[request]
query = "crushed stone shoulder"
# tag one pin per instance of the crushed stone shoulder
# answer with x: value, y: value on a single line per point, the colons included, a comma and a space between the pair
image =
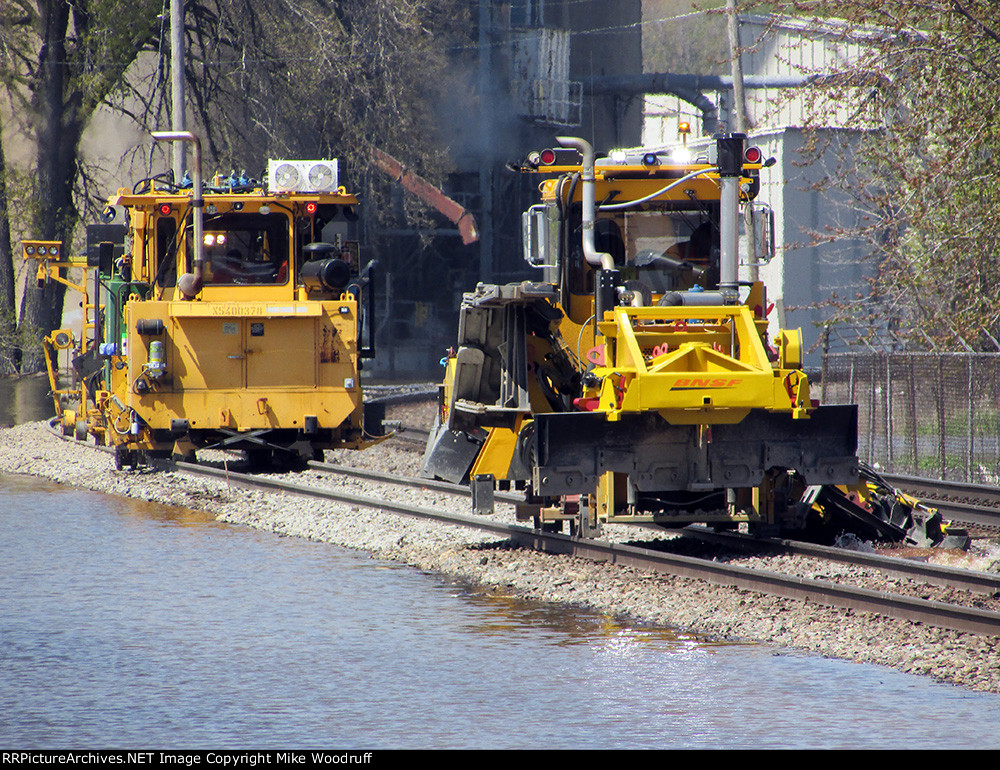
x: 494, y: 565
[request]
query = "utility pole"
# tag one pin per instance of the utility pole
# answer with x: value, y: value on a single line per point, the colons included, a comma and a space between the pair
x: 177, y: 121
x: 736, y: 68
x: 741, y: 114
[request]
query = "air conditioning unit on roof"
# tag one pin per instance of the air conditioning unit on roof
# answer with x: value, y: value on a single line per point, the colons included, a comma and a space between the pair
x: 302, y: 175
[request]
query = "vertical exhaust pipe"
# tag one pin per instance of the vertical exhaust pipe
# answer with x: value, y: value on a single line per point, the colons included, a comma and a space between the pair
x: 594, y: 257
x: 730, y: 163
x: 190, y: 283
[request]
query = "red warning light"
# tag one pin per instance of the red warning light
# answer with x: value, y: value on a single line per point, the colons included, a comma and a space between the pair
x: 547, y: 157
x: 311, y: 207
x: 753, y: 155
x: 165, y: 209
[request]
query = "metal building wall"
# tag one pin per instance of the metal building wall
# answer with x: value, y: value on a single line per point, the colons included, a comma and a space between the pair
x: 812, y: 266
x: 524, y: 70
x: 814, y: 261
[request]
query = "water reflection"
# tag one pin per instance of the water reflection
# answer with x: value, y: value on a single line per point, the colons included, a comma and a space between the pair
x: 131, y: 624
x: 25, y: 399
x: 503, y: 614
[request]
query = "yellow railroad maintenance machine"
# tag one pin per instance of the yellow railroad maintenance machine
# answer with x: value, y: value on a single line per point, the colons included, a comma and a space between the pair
x: 637, y: 381
x: 225, y: 316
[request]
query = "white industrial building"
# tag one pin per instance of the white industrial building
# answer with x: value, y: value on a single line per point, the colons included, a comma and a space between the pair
x: 813, y: 265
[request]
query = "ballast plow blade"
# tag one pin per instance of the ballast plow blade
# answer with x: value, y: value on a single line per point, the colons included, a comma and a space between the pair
x: 572, y: 450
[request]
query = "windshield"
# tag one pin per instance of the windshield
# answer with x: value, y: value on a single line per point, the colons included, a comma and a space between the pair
x: 245, y: 248
x: 670, y: 250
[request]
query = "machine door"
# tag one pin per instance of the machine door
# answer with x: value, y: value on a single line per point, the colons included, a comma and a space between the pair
x: 252, y: 353
x: 280, y: 352
x: 209, y: 353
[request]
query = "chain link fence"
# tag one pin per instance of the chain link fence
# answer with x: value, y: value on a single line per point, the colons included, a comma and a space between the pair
x: 923, y: 414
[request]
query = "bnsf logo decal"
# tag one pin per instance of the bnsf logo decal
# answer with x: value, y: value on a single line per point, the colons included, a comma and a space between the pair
x: 694, y: 383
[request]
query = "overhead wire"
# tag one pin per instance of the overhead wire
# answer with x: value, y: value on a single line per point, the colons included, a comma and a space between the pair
x: 498, y: 44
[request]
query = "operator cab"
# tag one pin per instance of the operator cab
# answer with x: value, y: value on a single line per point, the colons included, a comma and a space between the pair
x: 659, y: 222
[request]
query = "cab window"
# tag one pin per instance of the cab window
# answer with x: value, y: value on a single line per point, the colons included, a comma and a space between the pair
x: 245, y: 249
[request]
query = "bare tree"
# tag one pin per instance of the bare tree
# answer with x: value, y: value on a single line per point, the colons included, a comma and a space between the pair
x: 320, y: 79
x: 923, y: 177
x: 302, y: 77
x: 8, y: 323
x: 83, y: 47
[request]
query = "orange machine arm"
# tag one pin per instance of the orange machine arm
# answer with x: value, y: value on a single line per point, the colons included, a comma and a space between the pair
x: 429, y: 194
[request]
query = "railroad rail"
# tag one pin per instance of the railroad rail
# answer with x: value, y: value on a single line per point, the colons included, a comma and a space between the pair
x: 966, y: 580
x: 941, y: 614
x: 913, y: 569
x: 940, y: 494
x: 955, y: 617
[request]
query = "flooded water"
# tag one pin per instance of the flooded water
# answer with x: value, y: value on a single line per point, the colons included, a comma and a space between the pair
x: 130, y: 625
x: 25, y: 399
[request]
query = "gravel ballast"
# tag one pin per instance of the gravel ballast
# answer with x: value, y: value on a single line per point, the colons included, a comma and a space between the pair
x: 963, y: 659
